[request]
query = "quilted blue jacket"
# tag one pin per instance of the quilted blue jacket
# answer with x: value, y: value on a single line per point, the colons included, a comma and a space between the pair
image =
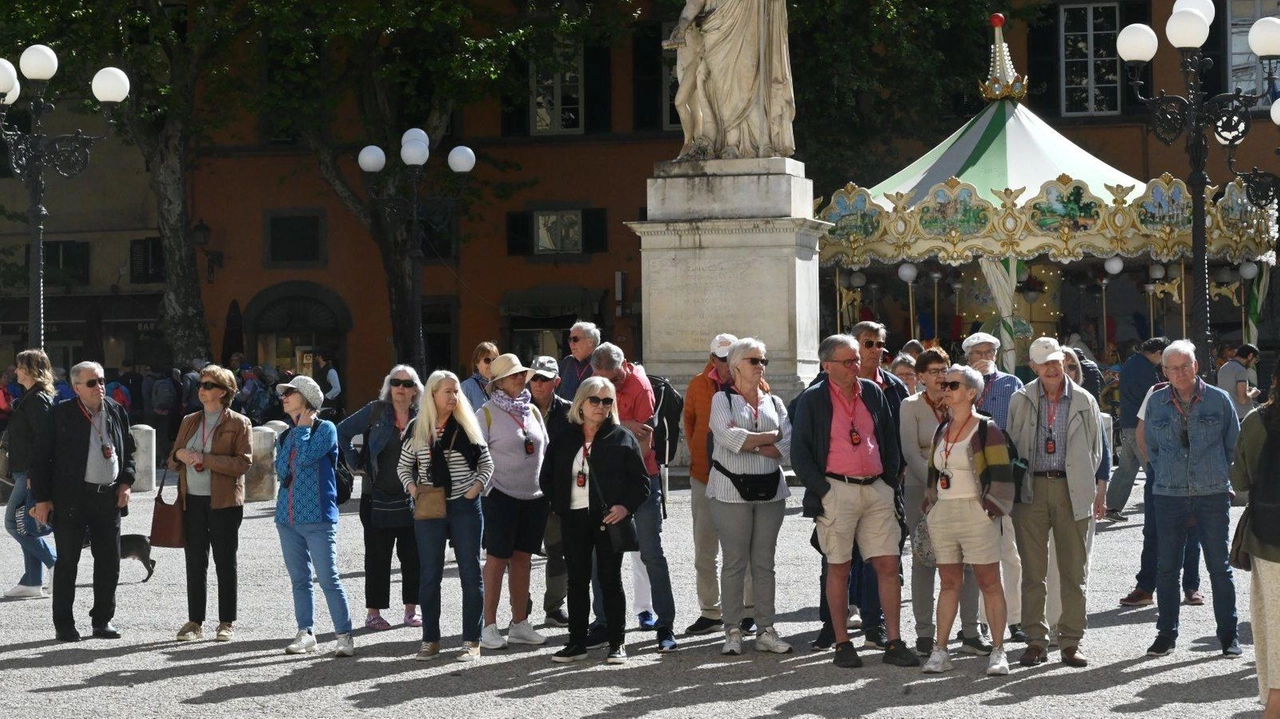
x: 308, y: 456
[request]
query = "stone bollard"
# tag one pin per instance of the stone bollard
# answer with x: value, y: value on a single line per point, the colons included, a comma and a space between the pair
x: 277, y: 426
x: 144, y: 458
x: 260, y: 480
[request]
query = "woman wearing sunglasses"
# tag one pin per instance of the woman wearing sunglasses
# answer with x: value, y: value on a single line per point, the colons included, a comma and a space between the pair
x: 211, y: 454
x: 594, y: 475
x: 476, y: 387
x: 746, y: 492
x: 970, y: 486
x: 307, y: 514
x: 384, y: 507
x: 29, y: 426
x: 445, y: 448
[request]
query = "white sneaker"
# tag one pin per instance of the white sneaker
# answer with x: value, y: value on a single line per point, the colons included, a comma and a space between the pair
x: 190, y: 632
x: 855, y: 617
x: 22, y: 591
x: 940, y: 661
x: 303, y: 643
x: 732, y: 642
x: 998, y: 665
x: 345, y: 647
x: 767, y: 641
x: 470, y: 652
x: 491, y: 638
x: 523, y: 633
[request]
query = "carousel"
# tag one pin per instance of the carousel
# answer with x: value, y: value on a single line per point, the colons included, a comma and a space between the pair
x: 1009, y: 226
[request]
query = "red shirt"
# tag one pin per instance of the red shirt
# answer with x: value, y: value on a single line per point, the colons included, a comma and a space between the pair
x: 844, y: 457
x: 636, y: 403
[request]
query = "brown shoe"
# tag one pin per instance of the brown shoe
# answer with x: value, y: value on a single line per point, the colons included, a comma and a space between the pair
x: 1073, y: 657
x: 1035, y: 654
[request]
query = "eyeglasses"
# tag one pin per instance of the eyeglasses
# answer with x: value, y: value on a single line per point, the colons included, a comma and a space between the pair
x: 756, y: 361
x: 988, y: 354
x: 396, y: 382
x: 868, y: 344
x: 952, y: 386
x: 488, y: 360
x: 540, y: 378
x: 1171, y: 369
x: 597, y: 401
x: 850, y: 363
x: 210, y: 386
x: 288, y: 392
x: 937, y: 372
x: 95, y: 382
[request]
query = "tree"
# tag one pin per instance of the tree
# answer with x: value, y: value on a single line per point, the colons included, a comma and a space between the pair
x: 173, y: 53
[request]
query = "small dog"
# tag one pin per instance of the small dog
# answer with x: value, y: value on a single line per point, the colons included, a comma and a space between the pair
x: 135, y: 546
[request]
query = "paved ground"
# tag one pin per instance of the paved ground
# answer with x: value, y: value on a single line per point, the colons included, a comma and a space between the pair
x: 147, y: 674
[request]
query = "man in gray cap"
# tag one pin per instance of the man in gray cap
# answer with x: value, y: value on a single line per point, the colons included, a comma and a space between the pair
x: 543, y: 383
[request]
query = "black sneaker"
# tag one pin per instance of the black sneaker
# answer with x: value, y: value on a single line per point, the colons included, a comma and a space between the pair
x: 847, y: 657
x: 748, y: 626
x: 570, y: 653
x: 557, y: 618
x: 924, y: 646
x: 666, y: 641
x: 1161, y: 646
x: 1016, y: 634
x: 704, y: 626
x: 898, y: 655
x: 1231, y: 649
x: 597, y: 636
x: 1114, y: 515
x: 877, y: 637
x: 974, y: 645
x: 647, y: 621
x: 825, y: 640
x: 617, y: 654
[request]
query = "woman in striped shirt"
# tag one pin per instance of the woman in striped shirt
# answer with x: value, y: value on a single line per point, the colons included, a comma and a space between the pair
x: 746, y: 491
x: 445, y: 449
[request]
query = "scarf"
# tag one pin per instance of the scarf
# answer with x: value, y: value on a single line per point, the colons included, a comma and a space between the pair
x: 454, y: 438
x: 518, y: 406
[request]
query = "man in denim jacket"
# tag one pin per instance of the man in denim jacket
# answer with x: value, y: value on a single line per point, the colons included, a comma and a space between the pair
x: 1191, y: 431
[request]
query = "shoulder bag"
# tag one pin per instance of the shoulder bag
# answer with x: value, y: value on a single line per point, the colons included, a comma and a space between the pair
x: 432, y: 501
x: 166, y: 520
x: 622, y: 535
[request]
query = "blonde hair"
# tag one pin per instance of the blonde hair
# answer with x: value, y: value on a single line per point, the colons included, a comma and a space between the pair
x: 36, y: 363
x: 589, y: 387
x: 424, y: 427
x: 224, y: 378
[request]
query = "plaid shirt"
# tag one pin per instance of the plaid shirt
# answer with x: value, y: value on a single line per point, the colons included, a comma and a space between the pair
x: 994, y: 401
x: 1042, y: 461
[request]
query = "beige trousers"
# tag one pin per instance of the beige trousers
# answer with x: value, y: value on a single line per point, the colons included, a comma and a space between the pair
x: 1050, y: 513
x: 706, y: 553
x: 1264, y: 615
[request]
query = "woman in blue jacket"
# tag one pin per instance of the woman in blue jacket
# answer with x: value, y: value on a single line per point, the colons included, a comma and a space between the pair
x: 307, y: 513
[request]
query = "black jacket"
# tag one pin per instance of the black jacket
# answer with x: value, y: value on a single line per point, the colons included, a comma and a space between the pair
x: 557, y: 419
x: 617, y: 469
x: 29, y: 420
x: 62, y: 454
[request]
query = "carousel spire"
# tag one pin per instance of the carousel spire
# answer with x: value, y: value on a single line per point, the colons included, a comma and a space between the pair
x: 1003, y: 82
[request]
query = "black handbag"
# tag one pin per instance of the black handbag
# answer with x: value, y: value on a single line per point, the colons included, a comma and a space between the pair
x: 753, y: 487
x: 623, y: 535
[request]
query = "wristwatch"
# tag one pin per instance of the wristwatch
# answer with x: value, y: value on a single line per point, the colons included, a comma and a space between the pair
x: 755, y: 450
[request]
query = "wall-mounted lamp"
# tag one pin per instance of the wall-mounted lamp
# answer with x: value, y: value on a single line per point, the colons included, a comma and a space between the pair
x: 200, y: 235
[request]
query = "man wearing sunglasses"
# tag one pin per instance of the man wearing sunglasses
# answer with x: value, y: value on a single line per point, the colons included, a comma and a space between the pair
x: 83, y: 472
x: 584, y: 337
x: 1191, y: 430
x: 1056, y: 427
x: 554, y: 409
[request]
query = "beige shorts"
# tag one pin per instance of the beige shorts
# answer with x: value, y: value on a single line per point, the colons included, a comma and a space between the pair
x: 858, y: 513
x: 962, y: 533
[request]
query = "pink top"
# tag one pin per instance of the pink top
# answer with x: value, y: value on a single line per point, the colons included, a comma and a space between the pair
x: 863, y: 459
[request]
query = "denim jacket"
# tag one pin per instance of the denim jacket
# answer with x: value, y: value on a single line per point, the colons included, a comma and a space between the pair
x: 382, y: 435
x: 1203, y: 468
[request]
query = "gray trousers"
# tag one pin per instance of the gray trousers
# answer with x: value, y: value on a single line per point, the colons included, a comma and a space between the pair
x: 924, y: 579
x: 748, y: 538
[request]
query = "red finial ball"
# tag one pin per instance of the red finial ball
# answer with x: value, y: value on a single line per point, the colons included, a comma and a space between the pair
x: 997, y: 20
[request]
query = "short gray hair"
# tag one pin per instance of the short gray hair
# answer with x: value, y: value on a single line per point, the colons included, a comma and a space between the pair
x: 869, y: 326
x: 1178, y: 347
x: 972, y: 377
x: 740, y: 348
x: 81, y: 367
x: 607, y: 357
x: 385, y: 394
x: 827, y: 350
x: 589, y: 329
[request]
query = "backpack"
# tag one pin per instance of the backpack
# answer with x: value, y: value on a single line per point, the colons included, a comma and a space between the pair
x: 163, y: 394
x: 668, y: 413
x: 1017, y: 464
x: 120, y: 394
x: 257, y: 405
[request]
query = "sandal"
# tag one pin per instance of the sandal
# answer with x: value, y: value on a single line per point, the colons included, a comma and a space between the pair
x: 376, y: 622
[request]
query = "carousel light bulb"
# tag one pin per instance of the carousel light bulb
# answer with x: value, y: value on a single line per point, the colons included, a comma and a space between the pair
x: 1248, y: 269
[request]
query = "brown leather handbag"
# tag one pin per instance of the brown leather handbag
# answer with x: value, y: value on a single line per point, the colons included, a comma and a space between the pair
x: 166, y: 521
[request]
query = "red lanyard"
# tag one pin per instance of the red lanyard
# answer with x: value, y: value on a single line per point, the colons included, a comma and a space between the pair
x: 1190, y: 405
x: 204, y: 438
x: 581, y: 479
x: 529, y: 447
x: 755, y: 413
x: 107, y: 447
x: 1053, y: 409
x: 855, y: 437
x: 583, y: 372
x: 948, y: 446
x: 940, y: 413
x: 985, y: 391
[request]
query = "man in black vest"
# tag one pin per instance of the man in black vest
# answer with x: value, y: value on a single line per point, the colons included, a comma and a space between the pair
x: 326, y: 375
x: 83, y: 474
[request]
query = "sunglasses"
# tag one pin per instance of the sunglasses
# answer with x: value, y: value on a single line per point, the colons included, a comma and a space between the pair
x: 288, y: 392
x: 575, y: 340
x: 597, y: 401
x: 952, y: 386
x: 872, y: 343
x: 756, y: 361
x: 406, y: 383
x: 540, y: 378
x: 210, y: 386
x: 95, y: 382
x: 488, y: 360
x: 847, y: 364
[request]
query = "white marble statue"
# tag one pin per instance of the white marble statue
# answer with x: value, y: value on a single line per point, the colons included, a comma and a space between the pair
x: 735, y: 98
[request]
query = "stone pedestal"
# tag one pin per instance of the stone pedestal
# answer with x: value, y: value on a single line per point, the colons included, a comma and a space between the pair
x: 731, y: 246
x: 144, y: 458
x: 260, y: 480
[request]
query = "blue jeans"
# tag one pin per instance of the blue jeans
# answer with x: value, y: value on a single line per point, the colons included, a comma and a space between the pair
x: 303, y: 544
x: 1151, y: 544
x: 464, y: 523
x: 1212, y: 518
x: 36, y: 551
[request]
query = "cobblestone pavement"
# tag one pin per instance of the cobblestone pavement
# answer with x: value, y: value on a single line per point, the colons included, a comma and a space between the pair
x: 148, y: 674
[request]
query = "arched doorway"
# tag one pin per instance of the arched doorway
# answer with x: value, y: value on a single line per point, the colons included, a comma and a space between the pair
x: 285, y: 323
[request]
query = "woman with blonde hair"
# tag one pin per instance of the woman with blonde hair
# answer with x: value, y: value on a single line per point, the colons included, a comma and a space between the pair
x: 28, y: 424
x: 446, y: 450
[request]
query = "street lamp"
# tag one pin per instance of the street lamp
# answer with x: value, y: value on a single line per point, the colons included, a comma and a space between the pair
x: 31, y: 152
x: 1197, y: 114
x: 907, y: 272
x: 414, y: 151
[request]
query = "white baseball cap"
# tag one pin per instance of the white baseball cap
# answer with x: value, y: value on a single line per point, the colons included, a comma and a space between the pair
x: 1046, y: 349
x: 721, y: 344
x: 979, y: 338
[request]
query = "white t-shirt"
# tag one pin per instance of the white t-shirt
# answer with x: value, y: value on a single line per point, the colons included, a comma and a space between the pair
x: 1142, y: 410
x: 580, y: 497
x: 964, y: 483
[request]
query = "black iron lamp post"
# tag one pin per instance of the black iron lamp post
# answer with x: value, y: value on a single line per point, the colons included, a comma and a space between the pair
x: 414, y: 150
x: 30, y: 153
x: 1195, y: 115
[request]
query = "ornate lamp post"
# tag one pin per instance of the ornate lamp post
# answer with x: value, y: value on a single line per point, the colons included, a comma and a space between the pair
x: 414, y: 150
x: 1195, y: 115
x: 907, y: 272
x: 31, y: 152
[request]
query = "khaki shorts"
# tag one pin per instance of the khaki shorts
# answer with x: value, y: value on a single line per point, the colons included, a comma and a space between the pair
x: 862, y: 513
x: 962, y: 533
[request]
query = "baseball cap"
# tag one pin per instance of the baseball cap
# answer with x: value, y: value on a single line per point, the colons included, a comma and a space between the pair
x: 545, y: 366
x: 1045, y: 349
x: 721, y: 344
x: 978, y: 338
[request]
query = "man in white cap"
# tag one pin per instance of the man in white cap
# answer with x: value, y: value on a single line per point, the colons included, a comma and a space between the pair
x: 1055, y: 425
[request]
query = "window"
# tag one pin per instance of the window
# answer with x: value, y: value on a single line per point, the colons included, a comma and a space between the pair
x: 557, y: 232
x: 295, y: 239
x: 66, y: 264
x: 146, y: 261
x: 556, y: 99
x: 1245, y: 70
x: 1091, y: 77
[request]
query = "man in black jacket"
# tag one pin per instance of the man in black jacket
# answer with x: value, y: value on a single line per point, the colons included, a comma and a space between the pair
x: 83, y: 473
